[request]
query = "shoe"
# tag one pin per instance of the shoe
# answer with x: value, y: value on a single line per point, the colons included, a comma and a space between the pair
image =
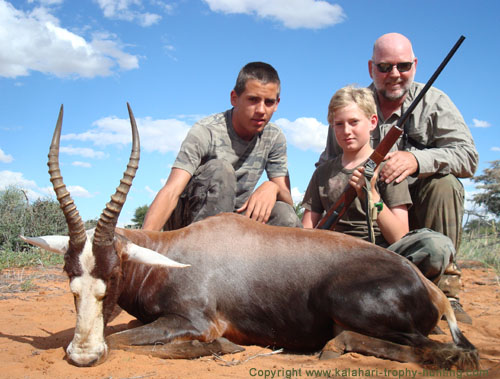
x: 460, y: 314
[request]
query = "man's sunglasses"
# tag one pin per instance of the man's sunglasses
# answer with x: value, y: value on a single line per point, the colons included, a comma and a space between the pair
x: 387, y: 67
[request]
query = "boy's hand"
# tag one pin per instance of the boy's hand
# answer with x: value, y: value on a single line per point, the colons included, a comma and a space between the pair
x: 358, y: 181
x: 259, y: 205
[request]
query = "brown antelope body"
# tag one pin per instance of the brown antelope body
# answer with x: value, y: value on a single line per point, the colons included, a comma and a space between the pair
x: 247, y: 282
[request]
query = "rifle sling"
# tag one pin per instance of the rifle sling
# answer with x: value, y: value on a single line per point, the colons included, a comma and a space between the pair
x: 369, y: 172
x: 410, y: 140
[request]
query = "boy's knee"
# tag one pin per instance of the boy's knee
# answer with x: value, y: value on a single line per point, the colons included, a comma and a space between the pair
x: 441, y: 252
x: 431, y: 251
x: 440, y: 245
x: 212, y: 190
x: 283, y: 214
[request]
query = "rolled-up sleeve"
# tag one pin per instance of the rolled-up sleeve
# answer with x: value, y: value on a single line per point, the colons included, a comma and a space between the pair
x: 277, y: 163
x: 450, y: 147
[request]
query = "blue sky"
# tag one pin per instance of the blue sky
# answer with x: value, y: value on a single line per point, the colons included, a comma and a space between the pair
x: 176, y: 61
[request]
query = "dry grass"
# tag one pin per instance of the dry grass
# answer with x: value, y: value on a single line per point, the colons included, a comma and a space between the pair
x: 482, y: 248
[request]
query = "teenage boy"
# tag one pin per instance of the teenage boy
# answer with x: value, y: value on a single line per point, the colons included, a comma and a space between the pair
x: 223, y: 157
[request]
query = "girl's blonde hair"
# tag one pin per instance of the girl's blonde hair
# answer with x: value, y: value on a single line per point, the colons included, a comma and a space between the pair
x: 362, y: 97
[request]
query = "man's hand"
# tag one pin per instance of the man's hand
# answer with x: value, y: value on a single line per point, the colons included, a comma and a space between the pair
x: 398, y: 166
x: 259, y: 205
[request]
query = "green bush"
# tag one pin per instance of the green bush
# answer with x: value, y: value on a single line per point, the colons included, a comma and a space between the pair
x: 20, y: 217
x: 138, y: 219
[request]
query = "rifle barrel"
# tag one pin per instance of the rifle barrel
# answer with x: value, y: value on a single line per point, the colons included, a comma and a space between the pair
x: 430, y: 82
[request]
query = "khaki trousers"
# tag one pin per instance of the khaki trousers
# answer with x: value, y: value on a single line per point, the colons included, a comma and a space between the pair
x: 212, y: 190
x: 438, y: 204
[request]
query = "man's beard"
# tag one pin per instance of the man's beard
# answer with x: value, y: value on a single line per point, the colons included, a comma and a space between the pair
x: 396, y: 95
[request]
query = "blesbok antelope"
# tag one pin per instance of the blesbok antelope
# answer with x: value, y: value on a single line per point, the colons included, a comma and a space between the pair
x: 245, y: 282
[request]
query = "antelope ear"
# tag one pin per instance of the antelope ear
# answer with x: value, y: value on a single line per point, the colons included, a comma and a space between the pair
x: 56, y: 244
x: 139, y: 254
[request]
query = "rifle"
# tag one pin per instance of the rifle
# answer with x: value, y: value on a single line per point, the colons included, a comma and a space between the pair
x: 330, y: 219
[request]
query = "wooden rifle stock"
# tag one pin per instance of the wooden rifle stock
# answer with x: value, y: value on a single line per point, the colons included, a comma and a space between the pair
x: 331, y: 218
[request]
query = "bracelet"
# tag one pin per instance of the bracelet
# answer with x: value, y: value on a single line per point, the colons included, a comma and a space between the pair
x: 379, y: 206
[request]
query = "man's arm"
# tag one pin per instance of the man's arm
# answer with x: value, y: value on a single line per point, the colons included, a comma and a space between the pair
x: 261, y: 202
x: 451, y: 149
x: 166, y: 200
x: 449, y: 145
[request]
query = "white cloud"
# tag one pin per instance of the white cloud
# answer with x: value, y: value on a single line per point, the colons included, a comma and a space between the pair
x: 17, y: 179
x: 191, y: 117
x: 5, y: 158
x: 166, y: 135
x: 467, y: 182
x: 122, y: 10
x: 471, y: 208
x: 47, y: 2
x: 10, y: 178
x: 294, y: 14
x: 34, y: 41
x: 156, y: 135
x: 82, y: 151
x: 495, y: 148
x: 480, y: 124
x: 81, y: 164
x: 297, y: 196
x: 75, y: 191
x: 152, y: 193
x: 305, y: 133
x: 79, y: 191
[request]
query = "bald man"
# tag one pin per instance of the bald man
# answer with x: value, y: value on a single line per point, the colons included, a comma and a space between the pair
x: 436, y: 147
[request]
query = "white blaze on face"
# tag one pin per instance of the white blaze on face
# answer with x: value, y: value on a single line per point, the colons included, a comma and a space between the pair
x: 88, y: 346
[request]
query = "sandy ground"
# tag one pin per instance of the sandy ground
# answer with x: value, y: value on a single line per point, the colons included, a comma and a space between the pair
x: 37, y: 321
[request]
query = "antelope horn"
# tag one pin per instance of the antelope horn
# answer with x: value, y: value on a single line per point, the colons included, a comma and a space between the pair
x: 104, y: 232
x: 76, y: 228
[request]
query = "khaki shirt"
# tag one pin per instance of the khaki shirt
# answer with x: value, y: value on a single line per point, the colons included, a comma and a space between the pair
x: 435, y: 123
x: 214, y: 138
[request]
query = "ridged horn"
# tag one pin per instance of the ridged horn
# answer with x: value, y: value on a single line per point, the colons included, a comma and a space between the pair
x: 105, y: 229
x: 76, y: 227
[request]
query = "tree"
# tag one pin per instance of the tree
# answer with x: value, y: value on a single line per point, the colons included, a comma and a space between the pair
x: 12, y: 206
x: 48, y: 218
x: 299, y: 210
x: 89, y: 224
x: 481, y: 226
x: 139, y: 215
x: 490, y: 195
x: 18, y: 216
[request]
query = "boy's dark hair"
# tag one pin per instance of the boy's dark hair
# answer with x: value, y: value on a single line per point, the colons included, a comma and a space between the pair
x: 260, y: 71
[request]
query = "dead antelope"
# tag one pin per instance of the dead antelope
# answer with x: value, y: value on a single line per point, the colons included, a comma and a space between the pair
x: 250, y: 283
